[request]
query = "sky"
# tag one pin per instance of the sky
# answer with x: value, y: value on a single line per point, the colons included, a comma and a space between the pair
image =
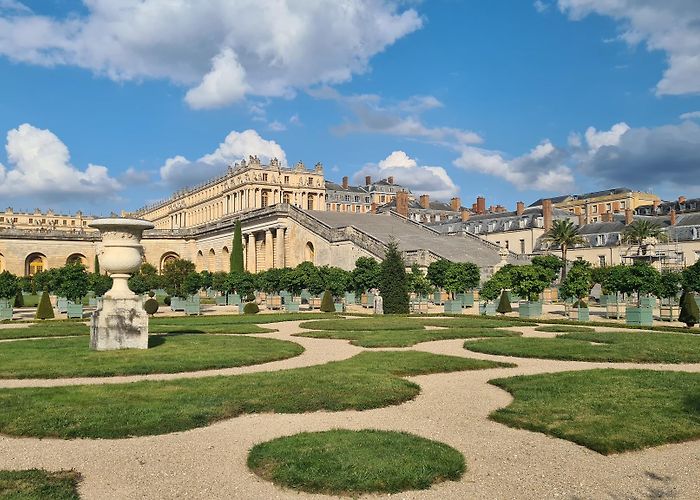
x: 113, y: 104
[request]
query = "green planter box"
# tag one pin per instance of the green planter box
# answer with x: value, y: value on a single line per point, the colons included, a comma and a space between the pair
x: 221, y: 300
x: 233, y: 299
x: 487, y: 308
x: 74, y: 310
x: 647, y: 302
x: 467, y: 299
x: 349, y: 297
x: 339, y: 307
x: 192, y: 308
x: 305, y: 294
x: 437, y: 298
x: 62, y: 305
x: 453, y: 307
x: 177, y: 304
x: 579, y: 314
x: 608, y: 299
x: 5, y: 313
x: 530, y: 309
x: 92, y: 301
x: 290, y: 307
x: 639, y: 316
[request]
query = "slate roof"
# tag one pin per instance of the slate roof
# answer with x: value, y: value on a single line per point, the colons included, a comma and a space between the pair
x: 593, y: 194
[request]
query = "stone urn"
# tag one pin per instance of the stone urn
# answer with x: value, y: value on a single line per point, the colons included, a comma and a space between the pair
x: 120, y: 322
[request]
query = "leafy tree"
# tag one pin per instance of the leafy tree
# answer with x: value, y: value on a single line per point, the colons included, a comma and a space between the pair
x: 437, y: 272
x: 504, y: 304
x: 192, y: 283
x: 417, y: 281
x: 638, y: 279
x: 689, y: 314
x: 205, y: 279
x: 501, y: 280
x: 99, y: 283
x: 691, y: 277
x: 335, y: 279
x: 393, y: 283
x: 218, y: 281
x: 551, y: 263
x: 96, y: 265
x: 270, y: 281
x: 150, y: 275
x: 47, y: 280
x: 327, y: 304
x: 599, y: 276
x: 74, y: 283
x: 138, y: 284
x: 237, y: 249
x: 44, y: 310
x: 563, y: 234
x: 461, y: 277
x: 174, y: 274
x: 578, y: 282
x: 530, y: 281
x: 243, y: 283
x: 307, y: 276
x: 9, y: 285
x: 639, y: 231
x: 670, y: 284
x: 365, y: 276
x: 26, y: 283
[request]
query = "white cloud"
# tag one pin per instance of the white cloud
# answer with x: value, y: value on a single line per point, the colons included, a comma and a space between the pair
x: 40, y: 167
x: 178, y: 171
x: 277, y: 126
x: 134, y: 176
x: 692, y: 115
x: 672, y: 26
x: 540, y: 6
x: 597, y: 140
x: 295, y: 120
x: 434, y: 181
x: 543, y: 168
x: 220, y: 50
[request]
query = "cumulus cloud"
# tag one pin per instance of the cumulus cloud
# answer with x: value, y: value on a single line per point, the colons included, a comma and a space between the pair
x: 371, y: 115
x: 39, y: 166
x: 220, y: 50
x: 597, y: 139
x: 178, y: 171
x: 543, y: 168
x: 672, y: 26
x: 692, y: 115
x: 406, y: 171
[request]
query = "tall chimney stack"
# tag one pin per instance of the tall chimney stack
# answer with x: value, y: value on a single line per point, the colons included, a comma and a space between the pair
x: 681, y: 200
x: 673, y: 216
x: 465, y: 215
x: 628, y: 216
x: 345, y: 182
x: 547, y: 214
x: 455, y: 204
x: 402, y: 203
x: 390, y: 179
x: 368, y: 180
x: 474, y: 208
x: 480, y: 205
x: 519, y: 208
x: 616, y: 206
x: 425, y: 201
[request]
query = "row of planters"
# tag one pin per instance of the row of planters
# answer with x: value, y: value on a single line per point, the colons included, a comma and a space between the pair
x: 451, y: 284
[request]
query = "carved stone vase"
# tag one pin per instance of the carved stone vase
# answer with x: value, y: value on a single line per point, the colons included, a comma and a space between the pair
x: 120, y: 322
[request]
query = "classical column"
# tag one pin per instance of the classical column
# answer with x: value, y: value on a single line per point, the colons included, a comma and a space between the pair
x: 269, y: 254
x: 279, y: 253
x: 252, y: 264
x: 258, y: 198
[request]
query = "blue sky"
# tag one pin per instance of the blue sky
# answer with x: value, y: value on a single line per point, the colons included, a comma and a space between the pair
x: 111, y: 104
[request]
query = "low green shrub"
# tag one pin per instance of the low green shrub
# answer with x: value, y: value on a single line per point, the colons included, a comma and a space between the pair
x: 45, y: 310
x: 504, y: 304
x: 327, y: 305
x: 151, y: 306
x: 251, y: 308
x: 166, y: 300
x: 19, y: 299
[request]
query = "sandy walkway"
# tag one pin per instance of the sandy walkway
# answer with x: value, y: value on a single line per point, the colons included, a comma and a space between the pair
x: 503, y: 462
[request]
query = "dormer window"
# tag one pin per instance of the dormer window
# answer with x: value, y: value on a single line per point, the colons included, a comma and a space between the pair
x: 600, y: 239
x: 694, y: 233
x: 522, y: 223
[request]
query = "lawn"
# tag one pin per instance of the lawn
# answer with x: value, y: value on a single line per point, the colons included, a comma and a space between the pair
x: 564, y: 329
x: 368, y: 380
x: 344, y: 462
x: 72, y: 357
x: 225, y: 323
x: 46, y: 329
x: 633, y: 347
x: 406, y: 323
x: 37, y: 484
x: 405, y: 338
x: 609, y: 411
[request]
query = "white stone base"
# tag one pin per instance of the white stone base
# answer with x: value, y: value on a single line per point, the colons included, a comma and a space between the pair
x: 119, y: 324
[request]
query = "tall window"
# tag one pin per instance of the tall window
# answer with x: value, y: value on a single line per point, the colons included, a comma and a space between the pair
x: 263, y: 199
x: 601, y: 260
x: 522, y: 246
x: 265, y: 177
x: 310, y: 203
x: 286, y: 198
x: 286, y: 179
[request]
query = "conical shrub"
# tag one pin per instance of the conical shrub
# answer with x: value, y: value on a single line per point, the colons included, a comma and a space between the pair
x: 327, y: 305
x: 45, y: 310
x: 690, y: 313
x: 19, y: 299
x: 504, y: 304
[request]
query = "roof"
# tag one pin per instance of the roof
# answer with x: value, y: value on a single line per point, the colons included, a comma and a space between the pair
x: 415, y: 205
x: 593, y: 194
x: 338, y: 187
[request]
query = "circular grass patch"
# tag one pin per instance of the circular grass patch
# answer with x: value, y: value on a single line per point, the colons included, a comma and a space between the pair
x: 344, y: 462
x: 72, y: 357
x: 564, y: 329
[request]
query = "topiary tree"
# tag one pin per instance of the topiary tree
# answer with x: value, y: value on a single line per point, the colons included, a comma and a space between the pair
x: 19, y: 298
x: 639, y: 278
x: 689, y: 314
x: 150, y: 306
x: 461, y: 277
x: 44, y: 310
x: 578, y: 283
x: 393, y: 283
x: 96, y: 265
x: 236, y: 259
x: 437, y: 272
x: 307, y: 276
x: 366, y: 274
x: 9, y: 285
x: 530, y: 281
x: 327, y: 304
x: 174, y: 274
x: 251, y: 308
x: 74, y: 283
x: 504, y: 304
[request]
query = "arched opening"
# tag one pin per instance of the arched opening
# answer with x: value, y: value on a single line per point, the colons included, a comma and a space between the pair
x: 211, y: 262
x: 167, y: 257
x: 309, y: 252
x: 225, y: 259
x: 77, y: 258
x: 199, y: 262
x: 35, y: 263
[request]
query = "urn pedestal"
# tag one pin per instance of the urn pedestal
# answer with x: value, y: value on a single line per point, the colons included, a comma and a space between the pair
x: 120, y: 321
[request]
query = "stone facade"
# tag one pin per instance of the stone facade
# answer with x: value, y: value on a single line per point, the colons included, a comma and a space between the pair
x: 40, y: 221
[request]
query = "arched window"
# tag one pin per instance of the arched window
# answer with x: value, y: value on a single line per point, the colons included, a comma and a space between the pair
x: 167, y: 257
x: 77, y: 258
x: 35, y: 263
x: 200, y: 261
x: 309, y: 252
x: 211, y: 261
x: 2, y: 263
x: 263, y: 198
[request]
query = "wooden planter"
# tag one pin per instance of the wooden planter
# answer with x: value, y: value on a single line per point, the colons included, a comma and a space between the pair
x: 615, y: 310
x: 530, y: 309
x: 367, y: 300
x: 669, y: 312
x: 639, y: 316
x: 74, y: 310
x: 579, y: 314
x: 467, y: 299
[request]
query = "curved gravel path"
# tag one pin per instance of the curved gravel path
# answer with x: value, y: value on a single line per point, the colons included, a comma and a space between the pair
x: 502, y: 462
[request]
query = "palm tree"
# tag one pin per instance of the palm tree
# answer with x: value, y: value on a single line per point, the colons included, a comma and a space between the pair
x: 638, y: 231
x: 565, y: 235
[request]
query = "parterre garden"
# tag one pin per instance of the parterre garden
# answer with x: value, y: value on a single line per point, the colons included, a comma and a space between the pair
x: 609, y: 410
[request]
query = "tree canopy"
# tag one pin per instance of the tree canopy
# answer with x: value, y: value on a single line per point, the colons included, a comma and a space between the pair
x: 393, y: 284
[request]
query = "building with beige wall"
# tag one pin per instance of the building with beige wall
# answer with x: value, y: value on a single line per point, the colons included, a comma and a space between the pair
x: 49, y: 220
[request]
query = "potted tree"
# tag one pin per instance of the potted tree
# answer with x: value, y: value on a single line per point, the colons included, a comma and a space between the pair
x: 460, y: 279
x: 74, y: 285
x: 529, y: 282
x: 365, y: 277
x: 9, y: 286
x: 639, y: 279
x: 437, y: 275
x: 218, y: 283
x: 552, y: 265
x: 420, y: 287
x: 577, y: 286
x: 614, y: 283
x: 492, y: 289
x: 669, y: 286
x: 242, y: 285
x: 173, y: 278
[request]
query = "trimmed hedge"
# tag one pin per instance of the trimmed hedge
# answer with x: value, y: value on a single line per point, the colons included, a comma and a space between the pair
x: 251, y: 308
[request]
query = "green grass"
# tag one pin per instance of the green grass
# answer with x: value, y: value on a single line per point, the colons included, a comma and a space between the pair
x: 609, y: 411
x: 564, y: 329
x: 72, y: 357
x: 368, y: 380
x: 404, y: 323
x: 405, y: 338
x: 344, y: 462
x: 37, y: 484
x: 633, y: 347
x: 225, y: 323
x: 46, y: 329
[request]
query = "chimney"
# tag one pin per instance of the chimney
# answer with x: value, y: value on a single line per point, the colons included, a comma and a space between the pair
x: 519, y: 208
x: 368, y: 180
x: 455, y: 204
x: 480, y: 205
x: 373, y: 208
x: 345, y: 182
x: 581, y: 219
x: 402, y: 203
x: 547, y: 214
x: 465, y: 215
x: 673, y: 216
x: 474, y: 209
x: 681, y: 200
x: 628, y: 216
x: 616, y: 206
x: 390, y: 180
x: 425, y: 201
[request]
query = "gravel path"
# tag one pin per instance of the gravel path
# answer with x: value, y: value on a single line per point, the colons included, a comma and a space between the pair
x: 502, y: 462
